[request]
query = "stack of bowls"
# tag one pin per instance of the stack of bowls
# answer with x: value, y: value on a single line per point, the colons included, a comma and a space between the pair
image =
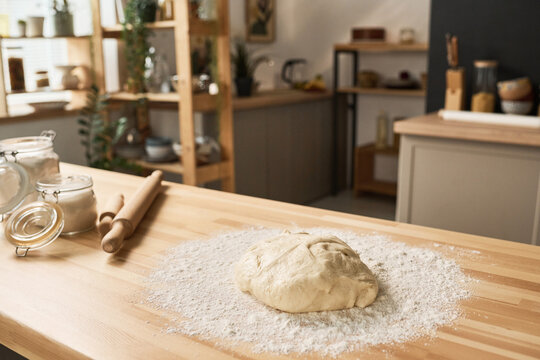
x: 516, y: 96
x: 158, y: 148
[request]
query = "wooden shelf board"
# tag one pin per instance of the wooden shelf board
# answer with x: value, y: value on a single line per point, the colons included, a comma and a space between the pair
x: 157, y: 97
x: 382, y: 91
x: 370, y: 148
x: 44, y: 37
x: 17, y: 116
x: 382, y: 47
x: 201, y: 102
x: 171, y: 167
x: 378, y: 187
x: 44, y: 91
x: 205, y: 173
x: 196, y: 27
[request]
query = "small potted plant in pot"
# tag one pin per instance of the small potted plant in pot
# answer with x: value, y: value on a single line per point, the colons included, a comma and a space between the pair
x: 21, y: 24
x: 145, y: 9
x: 62, y: 18
x: 244, y: 68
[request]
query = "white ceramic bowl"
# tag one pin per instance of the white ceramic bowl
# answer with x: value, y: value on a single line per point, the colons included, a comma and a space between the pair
x: 516, y: 107
x: 177, y: 148
x: 158, y: 151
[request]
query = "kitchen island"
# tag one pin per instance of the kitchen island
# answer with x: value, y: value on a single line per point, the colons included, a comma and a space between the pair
x: 71, y: 300
x: 476, y: 178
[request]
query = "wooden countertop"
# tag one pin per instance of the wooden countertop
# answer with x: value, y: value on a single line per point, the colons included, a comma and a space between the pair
x: 262, y: 99
x: 278, y: 98
x: 433, y: 126
x: 70, y: 300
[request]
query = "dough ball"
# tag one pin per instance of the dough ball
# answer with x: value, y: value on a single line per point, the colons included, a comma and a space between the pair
x: 302, y: 272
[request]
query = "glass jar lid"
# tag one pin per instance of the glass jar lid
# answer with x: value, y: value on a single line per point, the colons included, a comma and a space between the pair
x: 34, y: 226
x: 27, y: 144
x: 15, y: 186
x: 62, y: 183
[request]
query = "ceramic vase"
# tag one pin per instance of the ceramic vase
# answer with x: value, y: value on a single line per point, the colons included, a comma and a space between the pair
x: 22, y: 29
x: 63, y: 24
x: 244, y: 86
x: 68, y: 80
x: 35, y: 26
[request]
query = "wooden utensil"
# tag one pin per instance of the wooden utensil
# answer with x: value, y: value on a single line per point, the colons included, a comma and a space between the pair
x: 114, y: 205
x: 455, y: 77
x: 125, y: 223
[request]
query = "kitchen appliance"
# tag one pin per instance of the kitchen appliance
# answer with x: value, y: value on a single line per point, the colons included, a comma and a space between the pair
x: 293, y: 73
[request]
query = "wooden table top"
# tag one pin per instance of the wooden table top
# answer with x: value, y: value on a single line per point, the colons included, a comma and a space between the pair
x: 71, y: 300
x: 434, y: 126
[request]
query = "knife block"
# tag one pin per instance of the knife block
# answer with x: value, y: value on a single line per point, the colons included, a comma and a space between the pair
x: 455, y: 89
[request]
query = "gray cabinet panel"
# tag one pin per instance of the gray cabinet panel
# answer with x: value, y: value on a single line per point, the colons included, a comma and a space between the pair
x: 284, y: 153
x: 472, y: 187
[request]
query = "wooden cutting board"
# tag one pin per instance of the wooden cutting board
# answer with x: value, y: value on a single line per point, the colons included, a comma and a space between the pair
x: 71, y: 300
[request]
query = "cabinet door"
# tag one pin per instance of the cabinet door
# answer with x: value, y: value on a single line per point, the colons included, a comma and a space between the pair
x: 478, y: 188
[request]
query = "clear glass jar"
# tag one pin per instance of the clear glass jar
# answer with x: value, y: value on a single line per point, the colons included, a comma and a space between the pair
x: 42, y: 80
x: 15, y: 55
x: 76, y: 198
x: 34, y: 153
x: 485, y: 86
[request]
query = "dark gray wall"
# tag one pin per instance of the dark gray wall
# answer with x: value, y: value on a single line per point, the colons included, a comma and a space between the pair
x: 503, y: 30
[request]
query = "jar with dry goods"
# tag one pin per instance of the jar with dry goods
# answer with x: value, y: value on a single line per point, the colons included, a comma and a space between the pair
x: 75, y: 196
x: 34, y: 153
x: 15, y: 62
x: 42, y: 80
x: 485, y: 86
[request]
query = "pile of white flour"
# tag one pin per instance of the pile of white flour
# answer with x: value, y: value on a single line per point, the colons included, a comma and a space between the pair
x: 419, y: 291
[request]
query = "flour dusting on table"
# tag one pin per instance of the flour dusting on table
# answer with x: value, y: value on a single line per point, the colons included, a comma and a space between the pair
x: 419, y: 290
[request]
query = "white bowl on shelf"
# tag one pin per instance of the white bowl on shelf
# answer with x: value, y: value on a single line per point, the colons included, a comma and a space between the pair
x: 177, y: 148
x: 516, y: 107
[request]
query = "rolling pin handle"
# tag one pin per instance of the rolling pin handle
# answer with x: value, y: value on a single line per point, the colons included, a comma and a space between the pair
x: 113, y: 240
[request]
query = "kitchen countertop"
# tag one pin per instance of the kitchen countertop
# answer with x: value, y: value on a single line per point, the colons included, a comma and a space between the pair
x: 280, y: 97
x: 71, y: 300
x: 262, y: 99
x: 433, y: 126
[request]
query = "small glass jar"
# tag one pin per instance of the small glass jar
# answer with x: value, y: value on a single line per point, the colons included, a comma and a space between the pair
x: 76, y: 198
x: 34, y: 153
x: 15, y: 63
x: 406, y: 36
x: 42, y: 80
x: 485, y: 86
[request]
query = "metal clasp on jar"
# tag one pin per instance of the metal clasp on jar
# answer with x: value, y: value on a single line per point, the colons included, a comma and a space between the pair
x: 51, y: 134
x: 4, y: 154
x: 55, y: 194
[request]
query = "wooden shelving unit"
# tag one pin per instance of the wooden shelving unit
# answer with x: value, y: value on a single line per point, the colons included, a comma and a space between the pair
x: 78, y: 50
x: 352, y: 92
x: 184, y: 100
x: 364, y: 177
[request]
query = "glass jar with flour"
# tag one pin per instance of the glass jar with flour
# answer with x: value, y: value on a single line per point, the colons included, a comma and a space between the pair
x: 66, y: 206
x: 75, y: 197
x: 34, y: 153
x: 23, y: 161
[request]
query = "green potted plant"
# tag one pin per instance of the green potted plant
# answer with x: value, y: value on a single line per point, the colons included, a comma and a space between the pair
x: 135, y: 35
x: 244, y: 67
x: 62, y: 18
x: 145, y: 10
x: 100, y: 136
x: 21, y: 24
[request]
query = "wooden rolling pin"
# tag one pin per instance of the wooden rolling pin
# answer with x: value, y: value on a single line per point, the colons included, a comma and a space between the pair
x: 125, y: 223
x: 114, y: 205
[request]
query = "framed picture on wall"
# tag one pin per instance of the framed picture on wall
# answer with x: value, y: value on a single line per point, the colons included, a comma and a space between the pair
x: 260, y: 20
